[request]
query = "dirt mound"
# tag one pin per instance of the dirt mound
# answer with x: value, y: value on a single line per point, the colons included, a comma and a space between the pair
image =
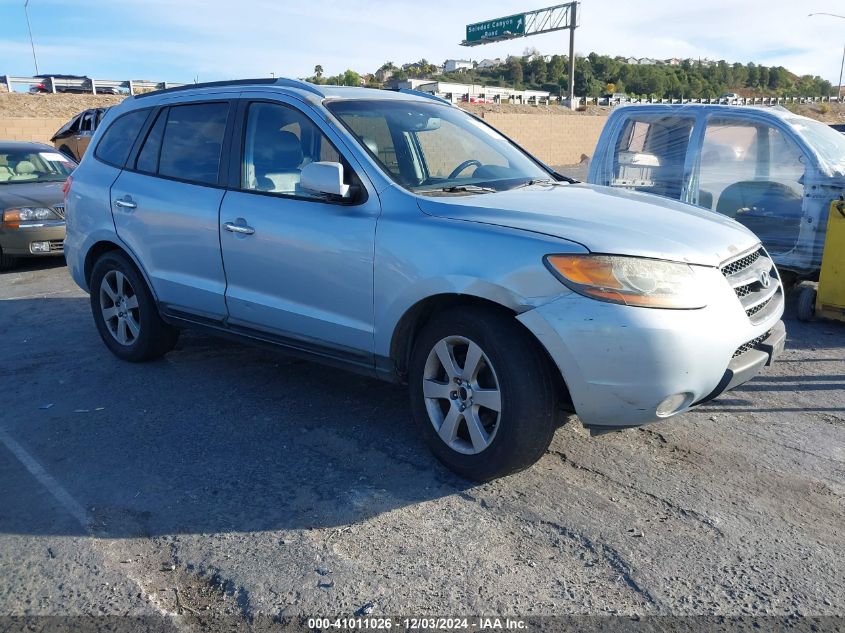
x: 51, y: 105
x: 479, y: 109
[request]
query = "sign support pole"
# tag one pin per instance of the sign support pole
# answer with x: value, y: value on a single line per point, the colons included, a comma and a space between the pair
x: 572, y: 21
x: 556, y: 18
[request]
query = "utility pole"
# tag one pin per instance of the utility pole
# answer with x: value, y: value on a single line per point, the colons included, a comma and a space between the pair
x: 31, y: 41
x: 839, y: 85
x: 842, y: 66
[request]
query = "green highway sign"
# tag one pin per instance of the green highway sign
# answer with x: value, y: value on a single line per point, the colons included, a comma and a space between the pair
x: 494, y: 29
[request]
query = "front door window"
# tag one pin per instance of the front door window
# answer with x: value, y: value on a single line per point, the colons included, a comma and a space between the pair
x: 753, y: 173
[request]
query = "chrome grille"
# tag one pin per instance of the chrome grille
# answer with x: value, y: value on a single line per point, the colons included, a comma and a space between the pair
x: 57, y: 246
x: 60, y: 210
x: 751, y: 344
x: 755, y: 281
x: 742, y: 263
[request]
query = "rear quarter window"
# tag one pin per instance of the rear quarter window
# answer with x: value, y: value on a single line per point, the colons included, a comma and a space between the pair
x: 117, y: 141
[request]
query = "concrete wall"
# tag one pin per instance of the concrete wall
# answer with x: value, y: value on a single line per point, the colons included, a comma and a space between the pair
x: 556, y: 139
x: 29, y: 129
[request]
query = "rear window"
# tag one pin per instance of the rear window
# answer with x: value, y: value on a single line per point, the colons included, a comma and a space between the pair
x: 192, y: 142
x: 117, y: 141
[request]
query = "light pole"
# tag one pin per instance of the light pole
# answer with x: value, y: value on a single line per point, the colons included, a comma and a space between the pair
x: 31, y: 41
x: 842, y: 66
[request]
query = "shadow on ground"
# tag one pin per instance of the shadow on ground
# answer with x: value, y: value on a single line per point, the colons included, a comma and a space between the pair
x: 215, y: 437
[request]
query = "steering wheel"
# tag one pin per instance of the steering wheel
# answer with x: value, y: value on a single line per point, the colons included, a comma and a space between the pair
x: 467, y: 163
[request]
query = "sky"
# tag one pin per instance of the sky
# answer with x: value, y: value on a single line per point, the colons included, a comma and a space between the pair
x: 206, y: 40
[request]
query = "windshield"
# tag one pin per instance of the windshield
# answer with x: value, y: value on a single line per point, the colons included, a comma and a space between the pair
x: 19, y: 166
x: 429, y: 147
x: 828, y: 144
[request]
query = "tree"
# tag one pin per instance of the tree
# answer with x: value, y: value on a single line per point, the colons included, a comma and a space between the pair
x: 753, y: 76
x: 515, y: 71
x: 350, y: 78
x: 318, y: 71
x: 537, y: 70
x: 556, y: 68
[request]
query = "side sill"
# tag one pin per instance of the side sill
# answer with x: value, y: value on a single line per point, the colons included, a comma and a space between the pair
x: 341, y: 358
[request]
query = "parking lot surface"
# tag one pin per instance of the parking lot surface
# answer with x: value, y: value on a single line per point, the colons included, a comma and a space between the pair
x: 228, y: 481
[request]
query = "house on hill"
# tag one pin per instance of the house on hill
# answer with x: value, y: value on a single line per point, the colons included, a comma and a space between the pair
x: 453, y: 65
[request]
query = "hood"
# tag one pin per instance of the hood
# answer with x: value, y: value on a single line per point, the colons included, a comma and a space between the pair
x: 605, y: 220
x: 31, y: 194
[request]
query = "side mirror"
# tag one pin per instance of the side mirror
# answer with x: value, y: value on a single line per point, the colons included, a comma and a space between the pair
x: 324, y: 177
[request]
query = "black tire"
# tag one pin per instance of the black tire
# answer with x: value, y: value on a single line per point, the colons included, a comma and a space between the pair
x: 155, y: 337
x: 806, y: 302
x: 528, y: 398
x: 7, y: 262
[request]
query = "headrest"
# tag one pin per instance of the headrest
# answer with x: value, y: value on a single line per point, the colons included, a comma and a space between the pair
x: 24, y: 167
x: 279, y: 151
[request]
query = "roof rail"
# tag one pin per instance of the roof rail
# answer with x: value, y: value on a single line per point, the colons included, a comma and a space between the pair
x: 420, y: 93
x: 299, y: 84
x: 264, y: 81
x: 209, y: 84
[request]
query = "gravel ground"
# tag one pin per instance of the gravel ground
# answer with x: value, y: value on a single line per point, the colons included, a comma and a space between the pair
x: 225, y: 483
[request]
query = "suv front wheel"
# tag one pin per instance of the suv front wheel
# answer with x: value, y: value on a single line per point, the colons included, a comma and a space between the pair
x: 482, y: 393
x: 125, y: 312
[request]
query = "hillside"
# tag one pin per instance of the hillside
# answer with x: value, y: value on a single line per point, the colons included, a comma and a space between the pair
x: 64, y: 106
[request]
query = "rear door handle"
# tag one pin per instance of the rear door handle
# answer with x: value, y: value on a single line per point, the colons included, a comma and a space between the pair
x: 239, y: 228
x: 125, y: 203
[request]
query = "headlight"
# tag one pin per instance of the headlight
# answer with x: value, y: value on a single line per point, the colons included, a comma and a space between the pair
x: 632, y: 281
x: 13, y: 217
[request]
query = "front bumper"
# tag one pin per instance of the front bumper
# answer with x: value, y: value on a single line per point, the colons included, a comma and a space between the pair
x: 621, y: 363
x: 16, y: 242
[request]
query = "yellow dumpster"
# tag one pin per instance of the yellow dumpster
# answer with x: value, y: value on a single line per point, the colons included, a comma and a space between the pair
x: 828, y: 301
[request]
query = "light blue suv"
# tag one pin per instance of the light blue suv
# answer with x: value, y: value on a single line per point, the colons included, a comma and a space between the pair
x: 396, y: 235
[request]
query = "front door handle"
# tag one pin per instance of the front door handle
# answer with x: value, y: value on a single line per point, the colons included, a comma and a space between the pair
x: 125, y: 203
x: 239, y: 228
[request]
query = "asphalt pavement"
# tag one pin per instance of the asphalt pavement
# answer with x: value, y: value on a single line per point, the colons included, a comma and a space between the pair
x: 228, y: 483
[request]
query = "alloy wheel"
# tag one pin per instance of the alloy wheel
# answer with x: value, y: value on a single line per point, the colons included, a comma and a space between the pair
x: 119, y: 307
x: 462, y: 394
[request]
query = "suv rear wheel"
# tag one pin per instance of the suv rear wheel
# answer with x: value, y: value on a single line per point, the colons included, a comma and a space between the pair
x: 482, y: 393
x: 126, y: 313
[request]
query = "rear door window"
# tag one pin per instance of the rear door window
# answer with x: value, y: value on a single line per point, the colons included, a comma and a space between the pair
x: 116, y: 143
x: 193, y: 141
x: 650, y: 155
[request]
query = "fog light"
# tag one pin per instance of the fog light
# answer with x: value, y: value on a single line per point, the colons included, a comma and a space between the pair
x: 673, y: 404
x: 39, y: 247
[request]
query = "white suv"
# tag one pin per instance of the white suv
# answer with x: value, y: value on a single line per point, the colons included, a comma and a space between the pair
x: 396, y: 235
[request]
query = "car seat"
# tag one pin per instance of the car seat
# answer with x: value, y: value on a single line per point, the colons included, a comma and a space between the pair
x: 24, y: 170
x: 771, y: 210
x: 761, y: 197
x: 278, y: 156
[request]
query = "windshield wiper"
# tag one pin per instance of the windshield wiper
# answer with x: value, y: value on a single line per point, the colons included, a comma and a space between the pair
x: 538, y: 181
x: 461, y: 189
